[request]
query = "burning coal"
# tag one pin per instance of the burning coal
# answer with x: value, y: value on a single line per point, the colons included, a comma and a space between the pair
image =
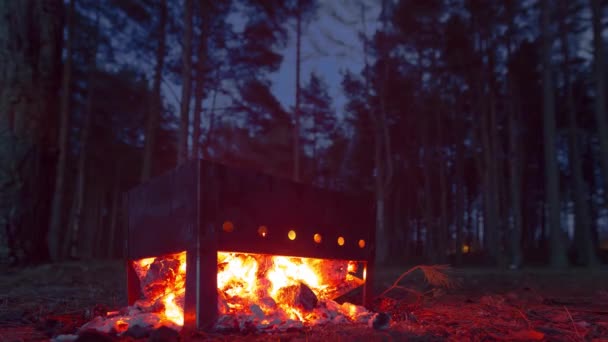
x: 263, y: 292
x: 163, y: 283
x: 270, y: 289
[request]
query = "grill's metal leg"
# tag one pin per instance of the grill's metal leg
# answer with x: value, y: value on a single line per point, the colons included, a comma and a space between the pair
x: 207, y: 295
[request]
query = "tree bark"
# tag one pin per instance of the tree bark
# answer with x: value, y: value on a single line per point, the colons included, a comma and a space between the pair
x: 558, y: 256
x: 494, y: 163
x: 515, y: 182
x: 30, y: 51
x: 80, y: 192
x: 296, y: 125
x: 182, y: 148
x: 430, y: 231
x: 54, y: 238
x: 443, y: 231
x: 461, y: 196
x: 81, y: 177
x: 383, y: 177
x: 156, y: 107
x: 381, y: 234
x: 211, y: 130
x: 600, y: 90
x: 582, y: 228
x: 116, y: 200
x: 515, y: 151
x: 490, y: 223
x: 96, y: 226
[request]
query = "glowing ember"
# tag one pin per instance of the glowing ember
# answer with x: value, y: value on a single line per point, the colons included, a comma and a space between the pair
x: 272, y: 292
x: 163, y: 281
x: 281, y: 287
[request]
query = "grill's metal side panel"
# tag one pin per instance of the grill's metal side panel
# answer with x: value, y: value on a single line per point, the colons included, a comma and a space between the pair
x: 250, y: 200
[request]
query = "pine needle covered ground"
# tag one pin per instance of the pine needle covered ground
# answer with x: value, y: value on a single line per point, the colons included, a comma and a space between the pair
x: 468, y: 304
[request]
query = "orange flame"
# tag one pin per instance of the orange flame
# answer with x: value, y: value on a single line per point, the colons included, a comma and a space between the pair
x: 248, y: 282
x: 164, y: 280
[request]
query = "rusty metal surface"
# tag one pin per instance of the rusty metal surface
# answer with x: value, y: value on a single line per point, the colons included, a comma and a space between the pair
x: 186, y: 208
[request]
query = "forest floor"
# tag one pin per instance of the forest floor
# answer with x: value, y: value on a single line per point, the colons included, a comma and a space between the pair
x: 486, y: 305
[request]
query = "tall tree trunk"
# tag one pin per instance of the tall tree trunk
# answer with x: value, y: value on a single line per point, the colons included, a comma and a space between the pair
x: 486, y: 163
x: 315, y: 165
x: 400, y: 215
x: 96, y: 228
x: 116, y: 198
x: 383, y: 159
x: 296, y: 125
x: 383, y: 178
x: 81, y: 177
x: 381, y: 234
x: 182, y: 148
x: 430, y: 228
x: 80, y: 188
x: 443, y: 217
x: 199, y: 91
x: 515, y: 182
x: 490, y: 223
x: 196, y: 120
x: 210, y: 131
x: 382, y: 155
x: 600, y: 90
x: 461, y: 196
x: 87, y: 235
x: 56, y: 227
x: 156, y: 107
x: 582, y: 228
x: 442, y: 236
x: 495, y: 163
x: 558, y: 255
x: 496, y: 188
x: 30, y: 46
x: 515, y: 151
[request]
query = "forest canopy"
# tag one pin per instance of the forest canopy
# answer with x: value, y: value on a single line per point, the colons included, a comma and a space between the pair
x: 480, y: 127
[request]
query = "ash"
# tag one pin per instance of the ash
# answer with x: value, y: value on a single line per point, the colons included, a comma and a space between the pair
x: 133, y: 322
x: 254, y: 319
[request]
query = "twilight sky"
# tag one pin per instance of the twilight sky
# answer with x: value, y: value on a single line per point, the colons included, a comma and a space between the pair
x: 328, y: 48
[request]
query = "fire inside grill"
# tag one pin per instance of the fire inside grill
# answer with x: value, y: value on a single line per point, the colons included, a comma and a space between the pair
x: 267, y: 290
x: 217, y: 248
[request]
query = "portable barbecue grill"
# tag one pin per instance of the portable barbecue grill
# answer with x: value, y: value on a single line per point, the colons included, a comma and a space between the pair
x: 203, y: 207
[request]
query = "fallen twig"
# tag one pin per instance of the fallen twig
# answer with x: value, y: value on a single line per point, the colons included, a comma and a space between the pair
x: 524, y: 317
x: 573, y: 324
x: 434, y: 275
